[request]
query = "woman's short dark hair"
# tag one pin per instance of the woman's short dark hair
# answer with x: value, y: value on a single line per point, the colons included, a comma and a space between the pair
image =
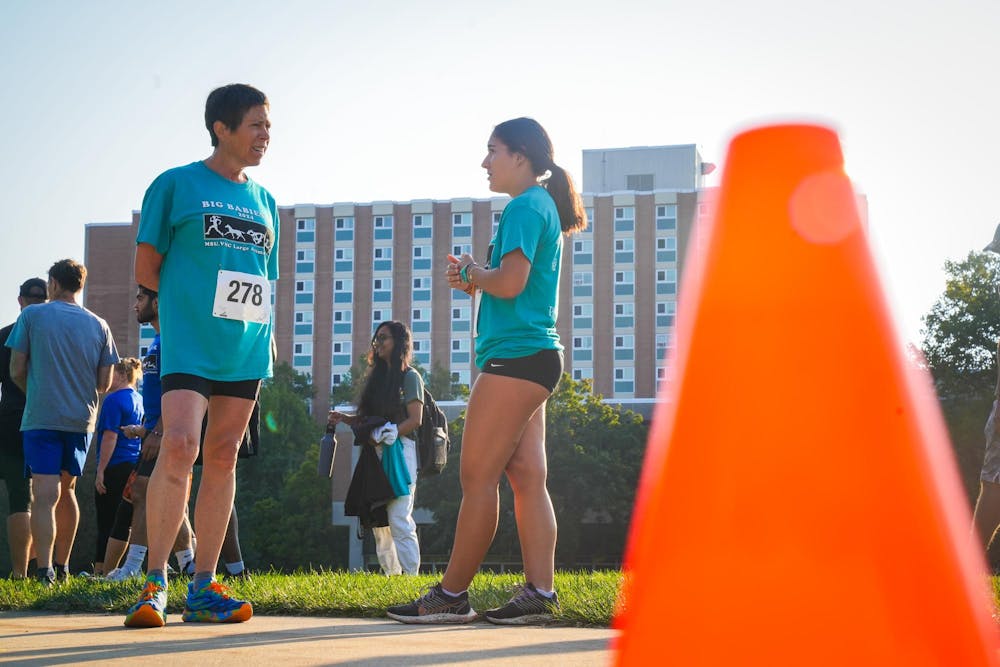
x: 69, y: 274
x: 229, y: 104
x: 527, y: 137
x: 382, y: 392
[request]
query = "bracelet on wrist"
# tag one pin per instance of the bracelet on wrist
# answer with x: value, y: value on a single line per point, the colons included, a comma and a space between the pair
x: 463, y: 273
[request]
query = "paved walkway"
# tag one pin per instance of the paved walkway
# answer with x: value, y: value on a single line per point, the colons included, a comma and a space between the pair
x: 34, y: 638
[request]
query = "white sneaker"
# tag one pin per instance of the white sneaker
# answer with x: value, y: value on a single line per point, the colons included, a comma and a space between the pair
x: 121, y: 574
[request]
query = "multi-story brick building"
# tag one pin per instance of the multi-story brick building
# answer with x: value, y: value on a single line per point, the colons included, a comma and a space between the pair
x: 347, y: 266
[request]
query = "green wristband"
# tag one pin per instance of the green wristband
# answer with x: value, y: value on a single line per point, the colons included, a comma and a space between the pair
x: 464, y: 273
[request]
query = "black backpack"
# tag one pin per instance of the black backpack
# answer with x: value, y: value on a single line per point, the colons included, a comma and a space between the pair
x: 433, y: 442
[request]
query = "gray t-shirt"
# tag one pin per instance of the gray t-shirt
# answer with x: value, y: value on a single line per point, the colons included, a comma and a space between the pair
x: 65, y: 345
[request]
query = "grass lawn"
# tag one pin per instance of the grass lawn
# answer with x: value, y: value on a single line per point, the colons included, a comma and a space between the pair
x: 586, y: 598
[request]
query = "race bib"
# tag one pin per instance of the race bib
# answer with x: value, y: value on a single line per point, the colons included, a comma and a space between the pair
x: 242, y: 296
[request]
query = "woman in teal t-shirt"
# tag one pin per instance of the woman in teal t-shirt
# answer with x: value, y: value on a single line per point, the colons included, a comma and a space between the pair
x: 519, y: 354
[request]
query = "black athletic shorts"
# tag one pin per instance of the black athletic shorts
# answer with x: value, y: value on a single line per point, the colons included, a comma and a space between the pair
x: 247, y: 389
x: 544, y: 368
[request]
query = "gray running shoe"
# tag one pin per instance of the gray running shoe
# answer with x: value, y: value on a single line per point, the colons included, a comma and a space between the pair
x: 527, y: 607
x: 434, y: 607
x: 123, y: 574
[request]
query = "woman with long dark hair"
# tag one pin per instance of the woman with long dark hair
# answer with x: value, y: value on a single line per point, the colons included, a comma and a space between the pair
x: 520, y: 358
x: 393, y: 392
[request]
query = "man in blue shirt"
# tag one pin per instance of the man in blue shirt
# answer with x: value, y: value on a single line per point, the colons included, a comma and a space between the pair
x: 61, y: 357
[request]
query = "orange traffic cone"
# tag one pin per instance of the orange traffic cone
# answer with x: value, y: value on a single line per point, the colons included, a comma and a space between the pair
x: 799, y: 504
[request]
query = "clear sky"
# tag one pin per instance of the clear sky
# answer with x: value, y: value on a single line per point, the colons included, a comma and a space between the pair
x: 394, y: 100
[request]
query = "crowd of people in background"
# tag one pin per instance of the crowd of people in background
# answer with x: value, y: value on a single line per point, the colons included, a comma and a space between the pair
x: 208, y: 297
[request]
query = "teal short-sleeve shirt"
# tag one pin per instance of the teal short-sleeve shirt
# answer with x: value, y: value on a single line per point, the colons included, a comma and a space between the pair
x: 219, y: 241
x: 525, y: 324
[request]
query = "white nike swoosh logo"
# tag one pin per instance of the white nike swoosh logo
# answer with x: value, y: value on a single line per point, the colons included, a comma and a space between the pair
x: 492, y: 365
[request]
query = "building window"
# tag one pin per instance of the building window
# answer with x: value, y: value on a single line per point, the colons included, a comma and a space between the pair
x: 666, y: 249
x: 423, y: 226
x: 496, y: 222
x: 342, y: 322
x: 666, y: 217
x: 342, y: 353
x: 420, y: 321
x: 303, y: 323
x: 382, y: 258
x: 624, y: 380
x: 383, y: 227
x: 624, y: 251
x: 624, y: 283
x: 343, y: 229
x: 583, y: 252
x: 303, y: 291
x: 666, y: 281
x: 583, y: 348
x: 663, y: 344
x: 422, y: 257
x: 625, y: 315
x: 305, y: 260
x: 590, y: 219
x: 461, y: 249
x: 625, y: 218
x: 583, y: 373
x: 305, y: 230
x: 583, y: 283
x: 343, y: 290
x: 583, y: 315
x: 665, y: 311
x: 461, y: 225
x: 381, y: 289
x: 624, y: 348
x: 379, y: 316
x: 343, y: 259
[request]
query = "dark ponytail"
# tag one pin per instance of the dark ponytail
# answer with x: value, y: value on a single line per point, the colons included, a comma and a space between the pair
x: 527, y: 137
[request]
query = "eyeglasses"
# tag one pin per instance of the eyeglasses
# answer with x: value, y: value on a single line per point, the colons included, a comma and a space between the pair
x: 381, y: 339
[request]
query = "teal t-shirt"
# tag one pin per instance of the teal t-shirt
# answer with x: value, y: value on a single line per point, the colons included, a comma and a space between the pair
x: 219, y: 241
x: 526, y: 324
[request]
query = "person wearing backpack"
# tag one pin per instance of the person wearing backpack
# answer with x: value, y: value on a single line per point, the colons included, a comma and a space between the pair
x: 520, y: 356
x: 393, y: 392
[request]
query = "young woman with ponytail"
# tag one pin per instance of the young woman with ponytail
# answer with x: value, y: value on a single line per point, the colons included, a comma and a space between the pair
x: 520, y: 358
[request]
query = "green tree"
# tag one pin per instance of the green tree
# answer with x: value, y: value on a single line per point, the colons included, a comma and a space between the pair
x: 594, y: 454
x: 442, y: 386
x: 350, y: 383
x: 283, y: 504
x: 959, y: 348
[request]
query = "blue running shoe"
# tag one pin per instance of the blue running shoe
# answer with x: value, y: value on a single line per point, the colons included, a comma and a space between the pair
x: 212, y: 604
x: 151, y: 609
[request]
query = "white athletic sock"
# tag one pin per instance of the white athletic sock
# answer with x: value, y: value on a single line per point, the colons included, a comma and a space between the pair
x: 235, y: 568
x: 184, y: 557
x: 546, y: 594
x: 136, y: 554
x: 450, y: 594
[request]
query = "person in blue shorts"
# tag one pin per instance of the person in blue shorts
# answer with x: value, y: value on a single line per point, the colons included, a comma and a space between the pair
x: 61, y: 357
x: 520, y: 358
x: 117, y: 453
x: 129, y: 528
x: 32, y: 291
x: 208, y: 244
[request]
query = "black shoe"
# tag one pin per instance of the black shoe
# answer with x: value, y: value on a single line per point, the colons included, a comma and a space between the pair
x: 527, y: 607
x: 434, y: 607
x: 62, y: 573
x: 243, y: 574
x: 46, y: 576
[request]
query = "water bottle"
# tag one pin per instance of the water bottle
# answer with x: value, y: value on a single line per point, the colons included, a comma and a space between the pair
x: 327, y: 450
